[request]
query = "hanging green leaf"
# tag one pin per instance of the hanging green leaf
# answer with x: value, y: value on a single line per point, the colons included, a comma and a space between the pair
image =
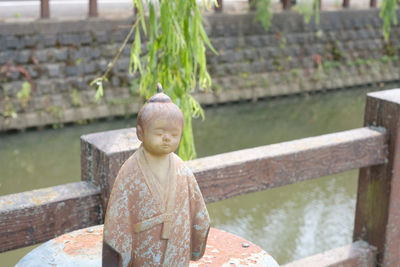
x: 388, y: 14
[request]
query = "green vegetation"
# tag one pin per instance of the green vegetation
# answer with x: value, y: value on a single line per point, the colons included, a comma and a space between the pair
x: 308, y: 9
x: 175, y: 57
x: 388, y: 13
x: 9, y: 109
x: 76, y: 98
x: 24, y: 95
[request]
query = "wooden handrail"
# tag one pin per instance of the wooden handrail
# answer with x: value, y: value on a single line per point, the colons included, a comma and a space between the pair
x: 231, y: 174
x: 35, y: 216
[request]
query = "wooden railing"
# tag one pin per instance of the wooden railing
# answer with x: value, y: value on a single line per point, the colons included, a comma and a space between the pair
x: 31, y: 217
x: 93, y: 12
x: 45, y: 8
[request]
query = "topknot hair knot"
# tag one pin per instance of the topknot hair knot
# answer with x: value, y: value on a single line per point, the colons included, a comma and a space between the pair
x: 160, y: 97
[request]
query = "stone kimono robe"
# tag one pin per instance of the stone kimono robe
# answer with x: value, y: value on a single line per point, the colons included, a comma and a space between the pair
x: 147, y: 225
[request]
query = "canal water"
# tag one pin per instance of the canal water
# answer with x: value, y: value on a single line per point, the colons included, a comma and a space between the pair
x: 290, y: 222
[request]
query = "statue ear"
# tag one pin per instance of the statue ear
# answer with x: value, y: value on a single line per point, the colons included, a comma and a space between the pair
x: 139, y: 132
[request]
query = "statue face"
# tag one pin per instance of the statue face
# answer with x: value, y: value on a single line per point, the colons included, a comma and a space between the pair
x: 161, y: 136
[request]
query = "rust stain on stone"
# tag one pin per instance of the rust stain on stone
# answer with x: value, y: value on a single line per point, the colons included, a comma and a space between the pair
x: 82, y: 243
x: 226, y: 249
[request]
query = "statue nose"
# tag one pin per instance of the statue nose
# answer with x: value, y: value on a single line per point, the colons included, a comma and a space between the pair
x: 166, y: 137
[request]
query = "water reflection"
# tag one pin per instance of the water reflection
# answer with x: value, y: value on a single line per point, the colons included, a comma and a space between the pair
x: 293, y: 221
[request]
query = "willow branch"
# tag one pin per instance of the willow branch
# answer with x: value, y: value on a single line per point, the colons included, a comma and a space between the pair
x: 111, y: 65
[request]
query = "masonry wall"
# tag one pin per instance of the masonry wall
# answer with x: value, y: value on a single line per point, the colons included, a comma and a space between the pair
x: 58, y: 59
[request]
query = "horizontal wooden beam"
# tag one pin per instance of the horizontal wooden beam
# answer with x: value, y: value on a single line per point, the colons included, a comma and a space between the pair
x: 353, y: 255
x: 250, y: 170
x: 35, y: 216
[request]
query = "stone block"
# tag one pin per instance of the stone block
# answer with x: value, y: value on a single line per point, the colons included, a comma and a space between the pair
x: 33, y: 71
x: 53, y: 70
x: 115, y: 81
x: 23, y: 56
x: 14, y: 75
x: 72, y: 70
x: 122, y: 64
x: 264, y: 40
x: 89, y: 68
x: 11, y: 89
x: 94, y: 53
x: 230, y: 43
x: 101, y: 37
x: 60, y: 85
x: 254, y: 41
x: 363, y: 34
x: 269, y: 65
x: 30, y: 41
x: 69, y: 39
x: 41, y: 55
x: 3, y: 43
x: 109, y: 50
x: 7, y: 56
x: 85, y: 38
x: 60, y: 54
x: 332, y: 36
x: 101, y: 65
x: 80, y: 83
x: 13, y: 42
x: 237, y: 56
x: 59, y: 100
x: 257, y: 67
x: 48, y: 40
x: 32, y: 119
x: 44, y: 87
x: 75, y: 54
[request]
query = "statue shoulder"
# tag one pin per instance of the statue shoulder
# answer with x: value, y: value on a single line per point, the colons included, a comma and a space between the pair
x: 182, y: 167
x: 129, y: 165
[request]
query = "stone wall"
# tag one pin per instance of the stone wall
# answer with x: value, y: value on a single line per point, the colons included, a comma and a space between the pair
x: 58, y: 59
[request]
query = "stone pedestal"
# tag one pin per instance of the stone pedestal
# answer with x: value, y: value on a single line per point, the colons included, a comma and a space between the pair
x: 83, y: 248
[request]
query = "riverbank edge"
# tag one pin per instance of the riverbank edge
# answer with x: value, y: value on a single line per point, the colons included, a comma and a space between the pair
x: 291, y: 84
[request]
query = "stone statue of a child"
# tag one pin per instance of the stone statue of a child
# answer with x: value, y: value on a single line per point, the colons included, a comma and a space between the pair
x: 156, y: 214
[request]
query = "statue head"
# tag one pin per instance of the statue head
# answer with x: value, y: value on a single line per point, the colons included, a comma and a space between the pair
x: 159, y: 124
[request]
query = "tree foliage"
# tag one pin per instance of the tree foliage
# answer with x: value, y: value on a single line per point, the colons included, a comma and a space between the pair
x: 388, y: 13
x: 169, y: 47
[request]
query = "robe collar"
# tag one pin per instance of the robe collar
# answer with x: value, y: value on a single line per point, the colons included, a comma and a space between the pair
x: 164, y: 195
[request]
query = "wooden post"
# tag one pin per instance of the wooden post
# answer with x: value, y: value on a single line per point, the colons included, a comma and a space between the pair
x: 287, y: 4
x: 93, y: 8
x: 219, y: 8
x: 44, y: 9
x: 346, y: 3
x: 101, y: 157
x: 378, y: 201
x: 372, y: 3
x: 252, y: 5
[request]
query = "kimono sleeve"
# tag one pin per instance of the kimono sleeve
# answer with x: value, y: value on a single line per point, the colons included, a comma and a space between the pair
x: 116, y: 236
x: 200, y: 220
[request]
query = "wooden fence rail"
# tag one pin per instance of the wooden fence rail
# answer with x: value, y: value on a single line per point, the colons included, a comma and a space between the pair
x: 35, y: 216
